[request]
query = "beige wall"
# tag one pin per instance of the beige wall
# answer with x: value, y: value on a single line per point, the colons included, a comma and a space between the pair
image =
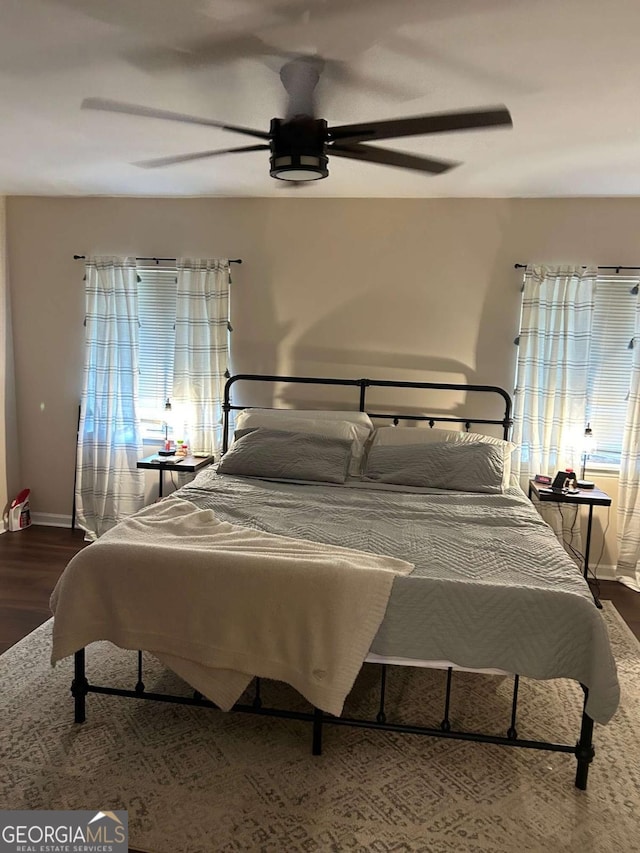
x: 407, y: 288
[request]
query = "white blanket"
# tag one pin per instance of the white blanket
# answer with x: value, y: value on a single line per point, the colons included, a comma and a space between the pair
x: 219, y: 603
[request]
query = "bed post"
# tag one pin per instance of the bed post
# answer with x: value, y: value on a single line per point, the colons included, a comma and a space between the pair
x: 584, y: 747
x: 79, y: 686
x: 226, y: 408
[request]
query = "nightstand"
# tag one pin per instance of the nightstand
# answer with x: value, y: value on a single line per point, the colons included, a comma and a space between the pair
x: 585, y: 497
x: 188, y: 465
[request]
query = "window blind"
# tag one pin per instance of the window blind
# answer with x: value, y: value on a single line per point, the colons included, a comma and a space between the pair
x: 157, y: 307
x: 610, y: 363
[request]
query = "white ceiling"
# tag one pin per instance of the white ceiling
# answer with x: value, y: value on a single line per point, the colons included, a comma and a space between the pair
x: 568, y: 71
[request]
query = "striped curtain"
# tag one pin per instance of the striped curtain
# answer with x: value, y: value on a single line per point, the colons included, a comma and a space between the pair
x: 201, y: 351
x: 550, y: 398
x: 628, y: 568
x: 108, y: 485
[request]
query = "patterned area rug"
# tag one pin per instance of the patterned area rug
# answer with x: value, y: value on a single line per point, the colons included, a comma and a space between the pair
x: 194, y: 779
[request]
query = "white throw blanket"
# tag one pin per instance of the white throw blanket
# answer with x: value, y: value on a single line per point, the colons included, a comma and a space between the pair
x: 219, y: 603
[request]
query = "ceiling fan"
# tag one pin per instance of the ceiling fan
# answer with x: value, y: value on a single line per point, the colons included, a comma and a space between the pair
x: 300, y: 144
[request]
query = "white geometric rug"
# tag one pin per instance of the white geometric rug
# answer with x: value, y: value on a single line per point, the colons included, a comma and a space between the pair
x: 194, y: 779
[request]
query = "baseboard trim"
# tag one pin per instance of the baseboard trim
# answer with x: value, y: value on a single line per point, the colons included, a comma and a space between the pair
x: 604, y: 573
x: 50, y: 519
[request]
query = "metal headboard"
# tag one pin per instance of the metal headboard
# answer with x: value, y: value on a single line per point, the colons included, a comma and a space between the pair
x: 362, y: 385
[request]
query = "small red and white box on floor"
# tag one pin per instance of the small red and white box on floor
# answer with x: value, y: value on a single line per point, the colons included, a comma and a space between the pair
x: 19, y: 515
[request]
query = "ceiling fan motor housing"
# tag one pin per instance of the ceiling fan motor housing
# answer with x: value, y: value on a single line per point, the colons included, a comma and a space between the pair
x: 298, y: 149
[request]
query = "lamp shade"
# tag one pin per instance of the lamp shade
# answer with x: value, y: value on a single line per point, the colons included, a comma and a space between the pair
x: 588, y: 446
x: 167, y: 417
x: 588, y: 441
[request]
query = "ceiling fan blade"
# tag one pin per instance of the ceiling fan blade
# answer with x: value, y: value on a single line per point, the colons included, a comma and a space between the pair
x: 199, y: 155
x: 388, y: 157
x: 419, y: 125
x: 198, y: 52
x: 107, y: 105
x: 347, y: 76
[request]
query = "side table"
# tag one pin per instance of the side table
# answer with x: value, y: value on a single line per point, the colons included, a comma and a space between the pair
x: 584, y: 497
x: 188, y: 465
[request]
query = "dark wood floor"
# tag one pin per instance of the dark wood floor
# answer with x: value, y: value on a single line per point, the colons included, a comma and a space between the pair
x: 32, y: 560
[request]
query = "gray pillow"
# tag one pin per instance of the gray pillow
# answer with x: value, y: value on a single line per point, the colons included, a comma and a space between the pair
x: 466, y: 467
x: 284, y: 455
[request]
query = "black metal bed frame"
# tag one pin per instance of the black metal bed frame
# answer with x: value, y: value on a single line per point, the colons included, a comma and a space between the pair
x: 583, y: 750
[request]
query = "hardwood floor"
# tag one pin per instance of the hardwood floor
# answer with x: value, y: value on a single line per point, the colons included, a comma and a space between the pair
x: 32, y: 560
x: 626, y: 602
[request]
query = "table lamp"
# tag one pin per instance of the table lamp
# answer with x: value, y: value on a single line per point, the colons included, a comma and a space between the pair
x: 588, y: 448
x: 166, y: 450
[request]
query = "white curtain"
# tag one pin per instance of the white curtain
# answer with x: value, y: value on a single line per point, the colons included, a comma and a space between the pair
x: 202, y: 351
x: 109, y: 486
x: 550, y: 398
x: 628, y: 568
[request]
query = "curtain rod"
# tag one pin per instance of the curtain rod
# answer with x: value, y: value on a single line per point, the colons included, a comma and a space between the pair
x: 617, y: 268
x: 157, y: 260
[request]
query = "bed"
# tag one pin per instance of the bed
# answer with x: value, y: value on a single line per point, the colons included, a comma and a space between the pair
x: 324, y: 539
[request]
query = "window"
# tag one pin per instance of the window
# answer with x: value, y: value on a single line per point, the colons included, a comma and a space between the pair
x: 157, y: 307
x: 610, y: 360
x: 157, y: 298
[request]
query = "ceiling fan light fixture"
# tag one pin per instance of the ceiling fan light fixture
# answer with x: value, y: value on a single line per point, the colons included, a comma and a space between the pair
x: 298, y: 149
x: 303, y: 167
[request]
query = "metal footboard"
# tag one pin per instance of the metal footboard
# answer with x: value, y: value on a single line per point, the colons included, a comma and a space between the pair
x: 583, y: 750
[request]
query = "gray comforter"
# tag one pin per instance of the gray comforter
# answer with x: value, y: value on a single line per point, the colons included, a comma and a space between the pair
x: 492, y: 587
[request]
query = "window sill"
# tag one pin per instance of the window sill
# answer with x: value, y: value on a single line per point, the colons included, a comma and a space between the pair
x: 152, y: 441
x: 603, y: 468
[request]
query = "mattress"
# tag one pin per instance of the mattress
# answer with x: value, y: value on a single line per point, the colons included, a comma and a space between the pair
x: 492, y: 587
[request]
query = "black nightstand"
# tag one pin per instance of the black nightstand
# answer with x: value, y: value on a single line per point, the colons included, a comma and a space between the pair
x: 188, y: 464
x: 585, y: 497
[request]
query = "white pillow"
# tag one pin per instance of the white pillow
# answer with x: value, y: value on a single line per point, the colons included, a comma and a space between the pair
x: 417, y: 435
x: 282, y: 419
